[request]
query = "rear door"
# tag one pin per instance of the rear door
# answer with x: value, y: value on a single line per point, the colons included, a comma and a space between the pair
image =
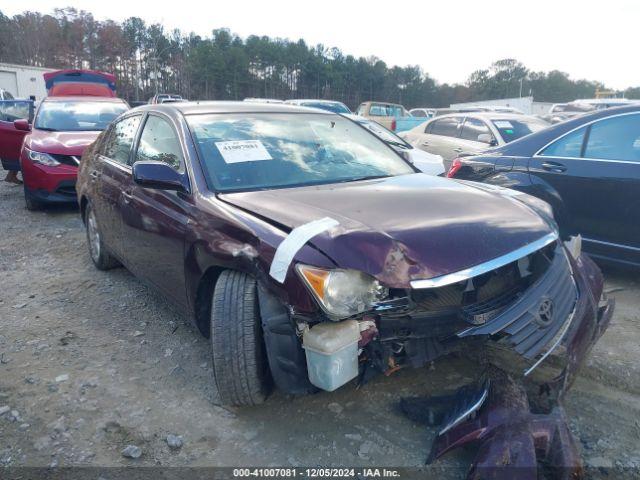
x: 155, y: 221
x: 441, y: 137
x: 596, y: 171
x: 114, y: 172
x: 10, y: 138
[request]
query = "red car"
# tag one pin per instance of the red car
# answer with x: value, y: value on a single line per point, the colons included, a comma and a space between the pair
x: 63, y: 127
x: 80, y: 105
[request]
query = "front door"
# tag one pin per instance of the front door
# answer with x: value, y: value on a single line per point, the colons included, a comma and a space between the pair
x: 11, y: 138
x: 596, y: 171
x: 155, y: 221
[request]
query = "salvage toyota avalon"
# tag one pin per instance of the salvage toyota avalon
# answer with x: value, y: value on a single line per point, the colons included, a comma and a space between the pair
x: 311, y: 253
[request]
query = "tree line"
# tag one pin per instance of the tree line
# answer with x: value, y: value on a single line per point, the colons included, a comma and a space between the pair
x: 147, y: 59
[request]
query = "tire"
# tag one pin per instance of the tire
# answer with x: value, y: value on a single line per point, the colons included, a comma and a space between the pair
x: 98, y: 252
x: 240, y: 366
x: 31, y: 203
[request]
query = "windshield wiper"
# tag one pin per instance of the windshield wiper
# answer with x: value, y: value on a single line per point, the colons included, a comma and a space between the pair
x: 46, y: 129
x: 398, y: 144
x: 358, y: 179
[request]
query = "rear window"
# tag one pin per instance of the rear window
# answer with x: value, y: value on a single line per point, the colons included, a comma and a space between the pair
x: 382, y: 110
x: 513, y: 129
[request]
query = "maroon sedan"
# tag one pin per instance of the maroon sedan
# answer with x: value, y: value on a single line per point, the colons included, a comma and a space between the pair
x: 311, y: 253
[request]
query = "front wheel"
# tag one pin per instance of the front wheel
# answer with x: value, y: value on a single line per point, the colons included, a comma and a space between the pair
x: 99, y: 254
x: 31, y: 203
x: 240, y: 366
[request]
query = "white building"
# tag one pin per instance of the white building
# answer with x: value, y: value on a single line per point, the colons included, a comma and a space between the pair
x: 23, y: 81
x: 524, y: 104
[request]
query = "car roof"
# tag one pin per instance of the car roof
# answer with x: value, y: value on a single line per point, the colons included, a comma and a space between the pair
x: 83, y: 98
x: 194, y: 108
x: 531, y: 143
x: 294, y: 101
x: 488, y: 115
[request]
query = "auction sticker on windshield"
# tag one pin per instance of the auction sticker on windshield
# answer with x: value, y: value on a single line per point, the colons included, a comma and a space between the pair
x: 239, y: 151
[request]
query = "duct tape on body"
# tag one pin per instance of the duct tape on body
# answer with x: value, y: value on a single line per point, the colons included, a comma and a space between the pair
x: 287, y: 250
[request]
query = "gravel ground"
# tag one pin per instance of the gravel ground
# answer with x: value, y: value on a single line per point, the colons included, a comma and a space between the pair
x: 92, y: 362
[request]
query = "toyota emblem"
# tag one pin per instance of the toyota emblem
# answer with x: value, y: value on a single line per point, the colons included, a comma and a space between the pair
x: 545, y: 312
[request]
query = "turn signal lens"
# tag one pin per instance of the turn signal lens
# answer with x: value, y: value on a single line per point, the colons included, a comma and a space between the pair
x: 315, y: 278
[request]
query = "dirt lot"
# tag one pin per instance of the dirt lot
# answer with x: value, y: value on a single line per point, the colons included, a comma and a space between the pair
x: 94, y: 361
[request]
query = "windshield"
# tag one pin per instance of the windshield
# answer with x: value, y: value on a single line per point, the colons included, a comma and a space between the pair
x: 335, y: 107
x: 275, y: 150
x: 77, y: 116
x: 512, y: 129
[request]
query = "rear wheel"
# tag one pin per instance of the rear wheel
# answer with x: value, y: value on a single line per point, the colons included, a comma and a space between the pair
x: 240, y: 366
x: 99, y: 254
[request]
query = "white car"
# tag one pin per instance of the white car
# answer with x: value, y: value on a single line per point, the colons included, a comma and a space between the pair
x: 424, y: 161
x: 452, y: 135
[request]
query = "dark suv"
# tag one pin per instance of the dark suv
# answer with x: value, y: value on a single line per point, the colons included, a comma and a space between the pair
x: 310, y: 252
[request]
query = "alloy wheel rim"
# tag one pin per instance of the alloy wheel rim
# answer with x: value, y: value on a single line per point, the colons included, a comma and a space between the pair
x: 94, y: 237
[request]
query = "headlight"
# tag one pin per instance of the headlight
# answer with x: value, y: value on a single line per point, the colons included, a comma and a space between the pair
x: 43, y: 158
x: 342, y: 293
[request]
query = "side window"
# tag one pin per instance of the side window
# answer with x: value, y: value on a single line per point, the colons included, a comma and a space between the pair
x: 447, y: 127
x: 118, y: 141
x: 418, y: 113
x: 159, y: 142
x: 568, y: 146
x: 472, y: 128
x: 617, y: 138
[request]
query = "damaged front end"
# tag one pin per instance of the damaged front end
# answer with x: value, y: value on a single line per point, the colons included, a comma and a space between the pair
x: 530, y: 318
x: 514, y: 415
x: 516, y: 311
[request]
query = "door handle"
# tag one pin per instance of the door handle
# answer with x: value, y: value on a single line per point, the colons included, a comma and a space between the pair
x: 126, y: 196
x: 94, y: 174
x: 459, y: 150
x: 425, y: 144
x: 554, y: 167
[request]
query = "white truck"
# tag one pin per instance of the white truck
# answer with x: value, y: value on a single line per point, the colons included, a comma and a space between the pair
x: 23, y: 81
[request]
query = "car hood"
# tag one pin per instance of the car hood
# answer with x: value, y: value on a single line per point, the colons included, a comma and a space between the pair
x: 60, y: 143
x: 402, y: 228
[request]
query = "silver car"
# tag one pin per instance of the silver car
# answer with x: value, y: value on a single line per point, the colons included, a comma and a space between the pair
x: 452, y: 135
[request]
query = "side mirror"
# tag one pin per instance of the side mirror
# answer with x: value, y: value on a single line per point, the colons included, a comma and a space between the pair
x: 22, y: 125
x: 488, y: 139
x: 160, y: 176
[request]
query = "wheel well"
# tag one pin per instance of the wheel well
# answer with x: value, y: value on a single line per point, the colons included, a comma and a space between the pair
x: 83, y: 206
x: 203, y: 299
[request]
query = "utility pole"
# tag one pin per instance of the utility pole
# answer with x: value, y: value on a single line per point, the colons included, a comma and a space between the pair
x: 521, y: 79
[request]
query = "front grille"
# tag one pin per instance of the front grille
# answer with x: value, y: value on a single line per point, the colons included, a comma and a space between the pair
x: 521, y: 325
x: 67, y: 159
x: 481, y: 298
